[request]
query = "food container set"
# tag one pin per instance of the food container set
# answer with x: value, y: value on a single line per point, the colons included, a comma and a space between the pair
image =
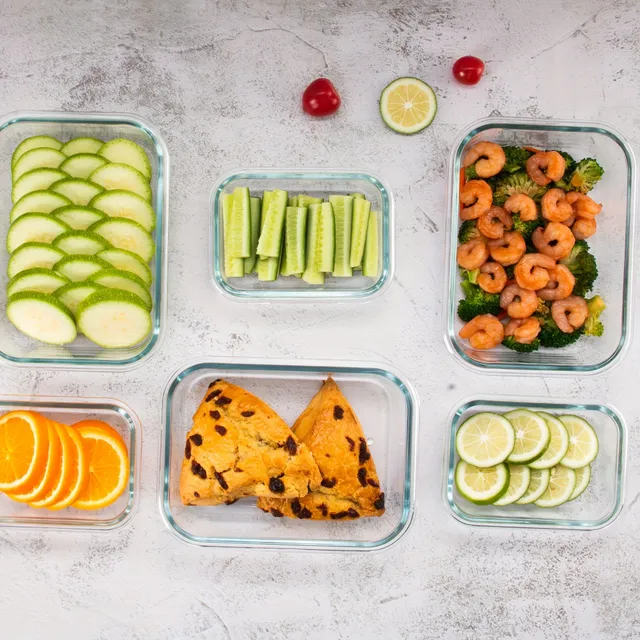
x: 383, y: 399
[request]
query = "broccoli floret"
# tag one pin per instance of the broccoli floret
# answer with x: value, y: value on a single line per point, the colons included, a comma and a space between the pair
x: 551, y: 336
x: 470, y: 173
x: 511, y: 343
x: 476, y: 301
x: 584, y: 176
x: 510, y: 271
x: 518, y: 182
x: 516, y: 157
x: 543, y: 309
x: 593, y: 326
x: 525, y: 228
x: 582, y: 264
x: 468, y: 231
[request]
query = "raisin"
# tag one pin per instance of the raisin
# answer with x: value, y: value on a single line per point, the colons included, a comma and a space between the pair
x: 276, y: 514
x: 296, y: 506
x: 215, y: 415
x: 291, y: 446
x: 328, y: 482
x: 214, y: 383
x: 326, y: 455
x: 196, y: 494
x: 379, y: 503
x: 304, y: 514
x: 363, y: 454
x: 187, y: 449
x: 238, y: 470
x: 372, y: 483
x: 352, y: 444
x: 338, y: 412
x: 248, y: 414
x: 323, y: 510
x: 196, y: 438
x: 352, y: 513
x: 198, y: 470
x: 221, y: 481
x: 349, y: 513
x: 276, y: 485
x: 222, y: 400
x: 362, y: 476
x: 212, y: 395
x: 230, y: 502
x: 220, y: 429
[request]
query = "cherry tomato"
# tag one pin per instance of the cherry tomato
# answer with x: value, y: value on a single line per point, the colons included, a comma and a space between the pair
x: 468, y: 70
x: 320, y: 98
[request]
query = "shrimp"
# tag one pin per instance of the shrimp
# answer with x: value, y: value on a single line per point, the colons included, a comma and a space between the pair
x: 508, y: 249
x: 488, y: 157
x: 522, y: 204
x: 483, y: 332
x: 555, y: 240
x: 473, y: 254
x: 569, y: 221
x: 493, y: 223
x: 584, y: 228
x: 550, y: 161
x: 492, y: 278
x: 560, y: 285
x: 569, y: 314
x: 518, y: 302
x: 555, y: 207
x: 524, y: 330
x: 583, y: 206
x: 532, y: 271
x: 477, y: 197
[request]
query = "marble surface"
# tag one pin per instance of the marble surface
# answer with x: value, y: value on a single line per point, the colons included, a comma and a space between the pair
x: 222, y: 82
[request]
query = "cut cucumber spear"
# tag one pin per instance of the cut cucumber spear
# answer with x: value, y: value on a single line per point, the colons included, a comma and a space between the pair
x: 240, y: 224
x: 325, y: 245
x: 233, y: 267
x: 269, y: 268
x: 305, y: 200
x: 371, y: 260
x: 311, y: 275
x: 343, y: 214
x: 270, y: 242
x: 295, y: 241
x: 250, y: 262
x: 266, y: 203
x: 361, y: 208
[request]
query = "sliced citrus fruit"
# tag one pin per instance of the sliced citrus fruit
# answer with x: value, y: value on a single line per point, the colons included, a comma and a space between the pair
x: 558, y: 445
x: 408, y: 105
x: 562, y: 484
x: 537, y: 486
x: 532, y: 435
x: 24, y: 445
x: 519, y: 478
x: 79, y: 472
x: 108, y: 462
x: 485, y: 439
x: 481, y: 486
x: 583, y: 442
x: 583, y: 477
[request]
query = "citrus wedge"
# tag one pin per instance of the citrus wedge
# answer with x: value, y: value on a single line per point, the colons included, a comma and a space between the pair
x: 481, y: 486
x: 79, y: 472
x: 108, y: 462
x: 532, y: 435
x: 408, y: 105
x: 485, y: 440
x: 583, y: 442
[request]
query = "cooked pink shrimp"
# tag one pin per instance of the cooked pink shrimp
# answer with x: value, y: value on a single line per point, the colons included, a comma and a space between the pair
x: 560, y: 285
x: 476, y: 196
x: 532, y: 271
x: 522, y: 204
x: 553, y: 164
x: 569, y: 314
x: 583, y: 206
x: 508, y: 249
x: 584, y: 228
x: 569, y: 221
x: 555, y: 207
x: 473, y: 254
x: 492, y: 278
x: 555, y: 240
x: 524, y: 330
x: 488, y: 157
x: 518, y: 302
x: 493, y: 223
x: 483, y: 332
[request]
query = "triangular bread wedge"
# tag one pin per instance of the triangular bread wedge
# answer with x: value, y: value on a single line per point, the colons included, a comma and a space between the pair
x: 350, y: 487
x: 240, y: 447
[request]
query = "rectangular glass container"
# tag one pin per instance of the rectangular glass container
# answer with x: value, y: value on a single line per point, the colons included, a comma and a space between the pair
x: 596, y: 508
x: 387, y: 408
x: 68, y: 411
x: 15, y: 347
x: 612, y: 245
x: 317, y: 183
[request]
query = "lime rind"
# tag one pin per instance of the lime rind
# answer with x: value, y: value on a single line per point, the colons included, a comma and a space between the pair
x: 583, y: 479
x: 519, y: 478
x: 481, y: 485
x: 583, y: 442
x: 562, y: 483
x: 537, y: 486
x: 558, y: 445
x: 429, y: 112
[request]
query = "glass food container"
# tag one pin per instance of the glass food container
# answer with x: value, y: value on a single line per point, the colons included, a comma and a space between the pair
x: 15, y: 347
x: 612, y: 245
x: 387, y: 408
x: 317, y: 183
x: 596, y: 508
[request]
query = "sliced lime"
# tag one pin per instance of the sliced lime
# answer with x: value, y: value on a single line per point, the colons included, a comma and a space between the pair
x: 583, y: 442
x: 532, y: 435
x: 519, y: 478
x: 537, y: 486
x: 583, y: 478
x: 481, y: 486
x: 408, y: 105
x: 558, y: 445
x: 561, y: 486
x: 485, y: 440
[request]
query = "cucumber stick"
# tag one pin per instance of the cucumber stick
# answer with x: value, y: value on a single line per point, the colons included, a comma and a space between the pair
x: 343, y: 214
x: 361, y: 209
x: 270, y: 243
x: 269, y: 268
x: 233, y: 267
x: 325, y: 244
x: 240, y: 224
x: 371, y: 260
x: 311, y: 275
x: 254, y: 227
x: 295, y: 241
x: 305, y: 200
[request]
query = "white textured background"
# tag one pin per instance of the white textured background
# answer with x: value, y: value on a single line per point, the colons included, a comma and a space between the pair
x: 222, y: 82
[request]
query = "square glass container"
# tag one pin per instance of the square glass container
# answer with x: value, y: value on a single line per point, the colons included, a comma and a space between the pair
x: 596, y: 508
x: 68, y: 411
x: 317, y: 183
x: 387, y: 408
x: 612, y: 245
x: 15, y: 347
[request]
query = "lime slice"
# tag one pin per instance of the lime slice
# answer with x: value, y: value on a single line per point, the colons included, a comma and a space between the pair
x: 558, y: 446
x: 561, y: 486
x: 481, y: 486
x: 532, y: 435
x: 408, y: 105
x: 583, y: 442
x: 537, y: 486
x: 485, y: 440
x: 583, y: 477
x: 519, y: 477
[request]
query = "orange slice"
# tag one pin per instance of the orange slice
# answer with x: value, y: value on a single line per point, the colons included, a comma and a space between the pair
x: 79, y: 472
x: 24, y: 445
x: 37, y: 490
x: 108, y: 462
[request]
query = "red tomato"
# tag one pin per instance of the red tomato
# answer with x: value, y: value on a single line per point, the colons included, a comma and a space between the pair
x: 320, y: 98
x: 468, y: 70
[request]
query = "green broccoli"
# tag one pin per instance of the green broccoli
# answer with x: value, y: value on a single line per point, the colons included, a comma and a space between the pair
x: 593, y: 326
x: 510, y: 271
x: 511, y: 343
x: 518, y: 182
x: 469, y: 276
x: 584, y: 176
x: 516, y: 157
x: 582, y: 265
x: 543, y: 309
x: 525, y: 229
x: 476, y: 301
x: 468, y: 231
x: 470, y: 173
x: 551, y: 336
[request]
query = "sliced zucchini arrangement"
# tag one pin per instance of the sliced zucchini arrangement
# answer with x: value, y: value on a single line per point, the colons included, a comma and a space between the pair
x: 523, y: 457
x: 80, y: 240
x: 302, y: 236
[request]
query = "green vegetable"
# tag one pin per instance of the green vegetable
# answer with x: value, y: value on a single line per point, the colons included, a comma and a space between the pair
x: 543, y: 309
x: 527, y: 228
x: 518, y: 182
x: 476, y: 301
x: 593, y: 326
x: 511, y: 343
x: 468, y: 231
x: 471, y: 276
x: 569, y: 165
x: 516, y: 157
x: 551, y: 336
x: 585, y: 175
x: 582, y: 265
x: 470, y: 173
